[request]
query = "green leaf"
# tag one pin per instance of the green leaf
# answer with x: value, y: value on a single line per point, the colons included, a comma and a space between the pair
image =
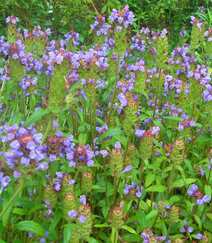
x: 156, y: 188
x: 92, y: 240
x: 151, y: 215
x: 208, y: 190
x: 180, y: 182
x: 7, y: 207
x: 19, y: 211
x: 149, y: 179
x: 129, y: 229
x: 209, y: 215
x: 198, y: 220
x: 174, y: 199
x: 172, y: 118
x: 36, y: 116
x: 30, y: 226
x: 55, y: 221
x: 150, y: 218
x: 67, y: 232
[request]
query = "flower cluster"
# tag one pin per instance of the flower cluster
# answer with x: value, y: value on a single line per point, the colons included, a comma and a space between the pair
x: 196, y: 22
x: 24, y: 147
x: 122, y: 18
x: 12, y: 20
x: 100, y: 27
x: 194, y: 191
x: 4, y: 181
x: 72, y: 37
x: 154, y: 131
x: 133, y: 189
x: 28, y: 85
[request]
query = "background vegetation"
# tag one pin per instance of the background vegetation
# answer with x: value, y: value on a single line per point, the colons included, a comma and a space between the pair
x: 65, y: 15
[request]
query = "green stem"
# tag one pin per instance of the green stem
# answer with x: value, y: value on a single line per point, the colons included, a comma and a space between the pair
x: 110, y: 109
x: 47, y: 129
x: 209, y: 175
x: 114, y: 235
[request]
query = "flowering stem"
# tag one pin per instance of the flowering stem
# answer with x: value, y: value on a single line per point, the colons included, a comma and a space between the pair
x: 114, y: 235
x: 93, y: 5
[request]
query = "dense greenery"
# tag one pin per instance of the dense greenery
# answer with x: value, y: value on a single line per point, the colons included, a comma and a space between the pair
x: 65, y: 15
x: 106, y: 140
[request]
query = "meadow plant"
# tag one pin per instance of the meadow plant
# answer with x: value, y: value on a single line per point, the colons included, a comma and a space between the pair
x: 110, y: 142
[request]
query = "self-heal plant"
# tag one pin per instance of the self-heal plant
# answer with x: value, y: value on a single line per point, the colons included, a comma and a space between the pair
x: 106, y: 142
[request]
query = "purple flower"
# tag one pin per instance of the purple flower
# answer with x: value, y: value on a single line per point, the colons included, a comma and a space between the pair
x: 72, y: 164
x: 122, y: 99
x: 83, y: 199
x: 72, y: 213
x: 16, y: 174
x: 138, y: 193
x: 25, y: 161
x: 192, y: 189
x: 4, y: 181
x: 204, y: 199
x: 199, y: 236
x: 12, y: 20
x: 186, y: 229
x: 146, y: 237
x: 43, y: 166
x: 57, y: 186
x: 31, y: 145
x: 122, y: 18
x: 127, y: 189
x: 207, y: 93
x: 82, y: 219
x: 139, y: 133
x: 38, y: 137
x: 117, y: 145
x: 102, y: 129
x: 15, y: 144
x: 71, y: 182
x: 104, y: 153
x: 136, y: 189
x: 28, y: 85
x: 128, y: 168
x: 42, y: 240
x: 72, y: 37
x: 155, y: 130
x: 59, y: 175
x: 90, y: 163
